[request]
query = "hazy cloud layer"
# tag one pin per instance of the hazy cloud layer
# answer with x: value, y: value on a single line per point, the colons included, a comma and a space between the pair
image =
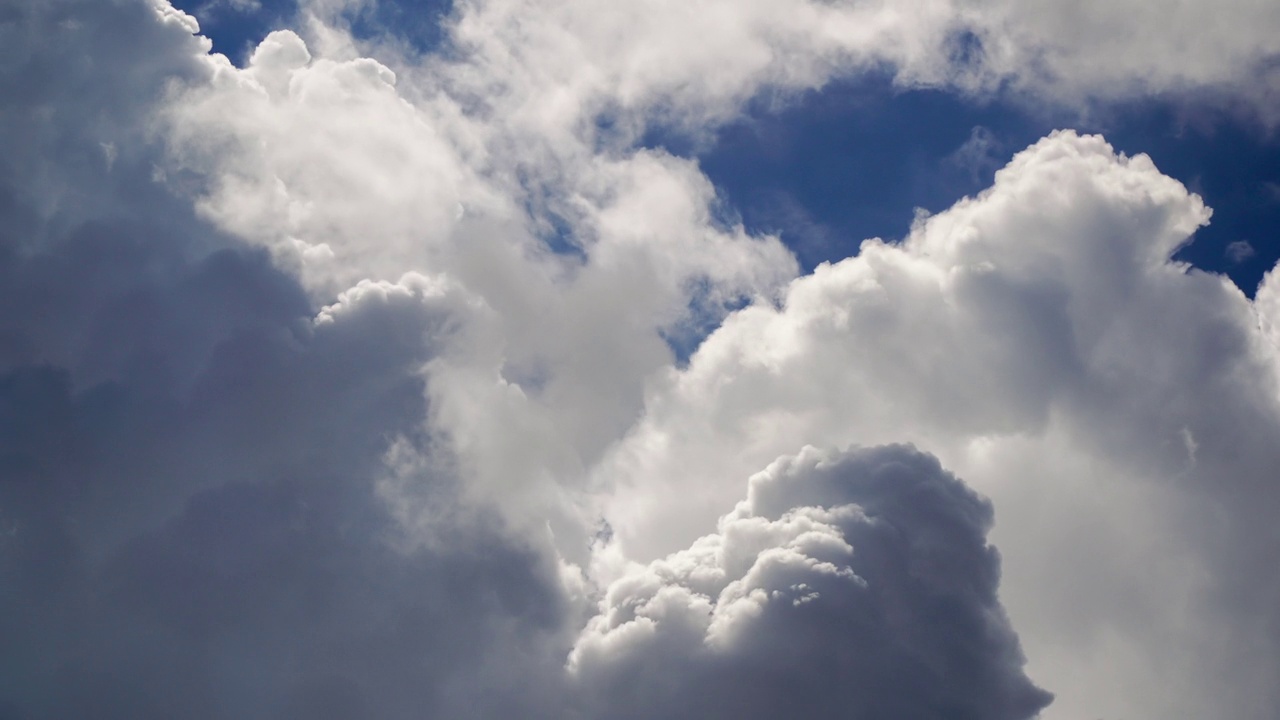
x: 333, y: 386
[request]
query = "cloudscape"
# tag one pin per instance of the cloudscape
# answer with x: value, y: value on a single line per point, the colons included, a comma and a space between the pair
x: 576, y: 359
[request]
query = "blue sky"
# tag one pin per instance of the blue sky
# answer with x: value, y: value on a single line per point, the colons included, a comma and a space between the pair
x: 525, y: 359
x: 856, y: 159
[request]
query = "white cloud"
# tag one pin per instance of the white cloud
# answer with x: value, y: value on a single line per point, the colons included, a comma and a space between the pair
x: 1116, y: 50
x: 549, y: 65
x: 1039, y: 339
x: 1038, y: 313
x: 346, y: 178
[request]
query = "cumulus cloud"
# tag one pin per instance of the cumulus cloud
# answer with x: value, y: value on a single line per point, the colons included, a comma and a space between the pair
x: 344, y: 178
x: 1041, y: 341
x: 334, y: 386
x: 855, y: 583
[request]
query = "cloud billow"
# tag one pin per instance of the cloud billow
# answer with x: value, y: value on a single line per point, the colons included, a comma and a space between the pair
x: 856, y: 584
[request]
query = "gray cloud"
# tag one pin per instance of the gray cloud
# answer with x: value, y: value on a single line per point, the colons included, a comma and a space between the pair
x: 219, y: 547
x: 191, y: 523
x: 855, y: 584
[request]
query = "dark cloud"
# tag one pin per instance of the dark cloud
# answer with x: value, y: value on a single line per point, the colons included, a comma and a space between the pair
x: 191, y: 523
x: 190, y: 516
x: 81, y: 81
x: 219, y: 548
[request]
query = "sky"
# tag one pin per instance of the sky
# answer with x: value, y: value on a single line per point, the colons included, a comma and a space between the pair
x: 573, y: 359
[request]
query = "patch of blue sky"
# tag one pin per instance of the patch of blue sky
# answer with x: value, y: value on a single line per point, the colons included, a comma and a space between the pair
x: 419, y: 24
x: 556, y: 232
x: 237, y: 26
x: 1232, y: 163
x: 704, y: 315
x: 855, y: 159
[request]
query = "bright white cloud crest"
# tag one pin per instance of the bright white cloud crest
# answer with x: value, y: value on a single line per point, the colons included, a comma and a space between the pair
x: 346, y: 389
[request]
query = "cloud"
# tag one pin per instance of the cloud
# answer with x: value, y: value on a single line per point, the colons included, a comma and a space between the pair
x: 978, y: 155
x: 852, y: 583
x: 550, y: 70
x: 223, y: 546
x: 193, y: 454
x: 1239, y: 251
x: 323, y: 380
x: 1038, y: 339
x: 344, y: 176
x: 1013, y: 288
x: 229, y: 491
x: 228, y: 540
x: 1110, y: 50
